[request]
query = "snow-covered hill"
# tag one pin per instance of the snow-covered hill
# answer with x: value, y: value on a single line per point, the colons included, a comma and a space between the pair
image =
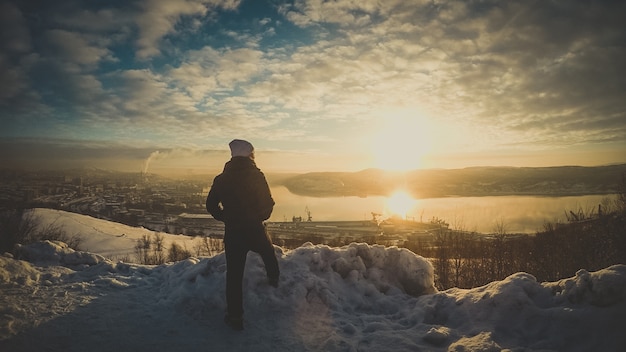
x: 112, y: 240
x: 354, y: 298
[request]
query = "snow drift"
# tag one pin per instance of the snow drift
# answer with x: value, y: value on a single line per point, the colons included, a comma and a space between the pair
x: 354, y: 298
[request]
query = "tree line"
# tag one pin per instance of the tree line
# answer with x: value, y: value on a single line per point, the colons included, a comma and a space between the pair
x: 587, y: 240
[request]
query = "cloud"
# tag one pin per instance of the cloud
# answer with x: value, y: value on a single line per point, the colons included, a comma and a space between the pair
x: 347, y: 13
x: 481, y: 62
x: 158, y: 18
x: 188, y: 72
x: 53, y: 153
x: 110, y: 20
x: 14, y: 32
x: 15, y: 45
x: 210, y: 71
x: 76, y: 48
x: 49, y: 153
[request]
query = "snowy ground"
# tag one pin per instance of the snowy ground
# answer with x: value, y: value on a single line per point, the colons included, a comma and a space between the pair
x: 354, y: 298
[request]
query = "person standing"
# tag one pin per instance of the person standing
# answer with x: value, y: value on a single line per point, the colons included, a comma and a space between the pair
x: 241, y: 198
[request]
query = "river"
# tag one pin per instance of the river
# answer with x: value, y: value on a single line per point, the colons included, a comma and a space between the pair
x: 525, y: 214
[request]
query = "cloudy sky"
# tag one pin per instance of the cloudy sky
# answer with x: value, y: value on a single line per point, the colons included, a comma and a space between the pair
x: 313, y: 84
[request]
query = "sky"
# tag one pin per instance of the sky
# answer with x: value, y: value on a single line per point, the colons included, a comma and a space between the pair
x: 315, y: 85
x: 354, y: 298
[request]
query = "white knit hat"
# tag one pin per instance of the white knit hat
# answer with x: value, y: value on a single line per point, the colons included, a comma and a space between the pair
x: 239, y: 147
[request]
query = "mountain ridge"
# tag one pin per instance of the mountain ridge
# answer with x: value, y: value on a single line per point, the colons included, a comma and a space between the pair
x: 471, y: 181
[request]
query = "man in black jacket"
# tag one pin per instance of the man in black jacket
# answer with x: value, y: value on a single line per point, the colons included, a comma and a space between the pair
x: 241, y: 198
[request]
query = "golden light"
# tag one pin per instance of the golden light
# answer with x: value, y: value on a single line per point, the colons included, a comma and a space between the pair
x: 399, y: 204
x: 401, y: 140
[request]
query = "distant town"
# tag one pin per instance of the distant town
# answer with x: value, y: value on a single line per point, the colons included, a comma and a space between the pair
x: 176, y: 206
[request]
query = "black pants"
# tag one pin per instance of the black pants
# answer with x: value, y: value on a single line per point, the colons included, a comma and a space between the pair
x: 238, y: 241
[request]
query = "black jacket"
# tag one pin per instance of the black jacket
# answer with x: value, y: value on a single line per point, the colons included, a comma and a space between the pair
x: 240, y: 194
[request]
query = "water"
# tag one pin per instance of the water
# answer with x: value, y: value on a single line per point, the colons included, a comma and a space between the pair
x: 525, y: 214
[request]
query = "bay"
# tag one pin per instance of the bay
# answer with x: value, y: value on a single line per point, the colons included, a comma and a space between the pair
x: 518, y: 214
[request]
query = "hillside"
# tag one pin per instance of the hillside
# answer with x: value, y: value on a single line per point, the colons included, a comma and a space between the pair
x: 474, y: 181
x: 353, y: 298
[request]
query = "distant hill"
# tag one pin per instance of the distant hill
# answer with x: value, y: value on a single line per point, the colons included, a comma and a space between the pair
x: 467, y: 182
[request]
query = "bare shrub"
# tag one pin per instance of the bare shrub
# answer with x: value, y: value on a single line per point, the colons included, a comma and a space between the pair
x: 177, y: 253
x: 208, y: 246
x: 201, y: 247
x: 54, y: 232
x: 16, y: 226
x: 150, y: 250
x: 21, y: 226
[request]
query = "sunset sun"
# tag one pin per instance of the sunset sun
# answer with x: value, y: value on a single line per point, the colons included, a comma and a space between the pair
x: 399, y: 204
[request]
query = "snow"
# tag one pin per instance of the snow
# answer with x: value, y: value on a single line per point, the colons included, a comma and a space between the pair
x: 109, y: 239
x: 354, y: 298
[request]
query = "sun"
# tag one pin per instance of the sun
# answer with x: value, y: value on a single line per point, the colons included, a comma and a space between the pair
x: 399, y: 204
x: 400, y: 141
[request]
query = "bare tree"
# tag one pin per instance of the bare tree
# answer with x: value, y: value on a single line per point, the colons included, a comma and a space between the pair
x: 499, y: 248
x: 441, y: 261
x: 158, y: 249
x: 142, y: 249
x: 621, y: 194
